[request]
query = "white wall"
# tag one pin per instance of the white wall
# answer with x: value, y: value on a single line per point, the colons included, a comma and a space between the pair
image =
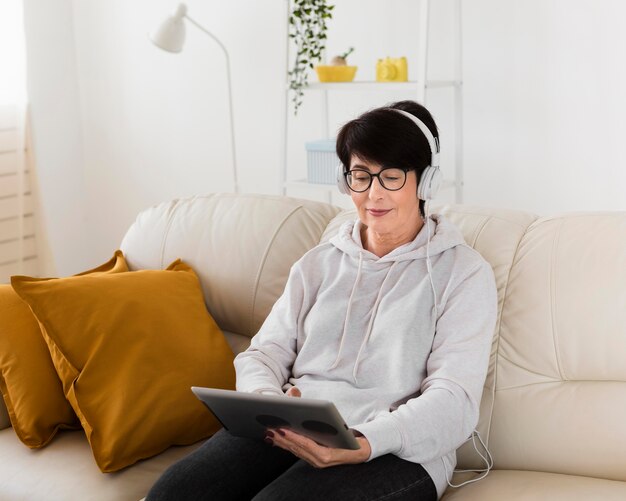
x: 156, y: 124
x: 545, y: 104
x: 120, y: 125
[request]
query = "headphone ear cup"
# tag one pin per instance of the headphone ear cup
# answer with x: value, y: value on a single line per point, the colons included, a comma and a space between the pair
x: 342, y: 185
x: 429, y: 183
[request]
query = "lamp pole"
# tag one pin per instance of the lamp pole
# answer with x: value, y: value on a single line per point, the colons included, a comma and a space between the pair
x: 230, y: 99
x: 170, y: 36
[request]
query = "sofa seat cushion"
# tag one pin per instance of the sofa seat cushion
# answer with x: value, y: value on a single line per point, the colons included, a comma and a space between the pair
x: 66, y: 469
x: 515, y: 485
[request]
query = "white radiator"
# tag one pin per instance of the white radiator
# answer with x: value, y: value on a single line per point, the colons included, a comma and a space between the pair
x: 18, y: 250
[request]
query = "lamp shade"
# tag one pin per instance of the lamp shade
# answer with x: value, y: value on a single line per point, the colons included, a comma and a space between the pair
x: 170, y: 35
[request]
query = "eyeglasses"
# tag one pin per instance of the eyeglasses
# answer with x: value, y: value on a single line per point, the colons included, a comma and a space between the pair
x: 392, y: 179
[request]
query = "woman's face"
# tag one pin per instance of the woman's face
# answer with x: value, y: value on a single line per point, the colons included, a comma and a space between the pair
x: 393, y: 214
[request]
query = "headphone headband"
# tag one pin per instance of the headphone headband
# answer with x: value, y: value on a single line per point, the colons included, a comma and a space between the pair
x: 432, y: 141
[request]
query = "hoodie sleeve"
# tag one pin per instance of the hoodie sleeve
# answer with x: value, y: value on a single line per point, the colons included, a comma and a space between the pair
x: 266, y: 365
x: 445, y: 413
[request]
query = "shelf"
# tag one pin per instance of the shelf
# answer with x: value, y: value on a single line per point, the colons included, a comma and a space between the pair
x: 328, y: 193
x: 373, y: 85
x: 445, y: 185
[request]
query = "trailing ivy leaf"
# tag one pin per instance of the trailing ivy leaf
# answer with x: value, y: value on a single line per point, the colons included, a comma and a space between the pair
x: 307, y: 28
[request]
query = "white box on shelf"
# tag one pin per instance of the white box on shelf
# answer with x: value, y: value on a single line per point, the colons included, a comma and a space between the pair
x: 321, y: 161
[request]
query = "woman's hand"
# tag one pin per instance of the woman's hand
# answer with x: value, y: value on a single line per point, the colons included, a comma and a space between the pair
x: 318, y: 456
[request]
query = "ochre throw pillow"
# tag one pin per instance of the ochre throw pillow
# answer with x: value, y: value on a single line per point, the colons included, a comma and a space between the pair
x: 128, y: 347
x: 29, y: 383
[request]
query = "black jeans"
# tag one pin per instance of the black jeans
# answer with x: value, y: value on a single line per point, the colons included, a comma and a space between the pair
x: 229, y: 468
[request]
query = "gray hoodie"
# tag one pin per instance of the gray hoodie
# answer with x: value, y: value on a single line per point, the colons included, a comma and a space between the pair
x: 364, y: 332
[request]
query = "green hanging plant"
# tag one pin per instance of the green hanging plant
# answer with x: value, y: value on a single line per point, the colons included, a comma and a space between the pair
x: 307, y: 28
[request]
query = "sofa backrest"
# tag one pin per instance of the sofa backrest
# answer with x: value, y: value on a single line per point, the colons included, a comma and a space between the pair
x: 555, y: 395
x: 496, y: 234
x: 241, y: 247
x: 561, y: 367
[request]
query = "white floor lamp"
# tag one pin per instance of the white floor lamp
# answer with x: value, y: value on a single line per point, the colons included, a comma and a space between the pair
x: 170, y: 36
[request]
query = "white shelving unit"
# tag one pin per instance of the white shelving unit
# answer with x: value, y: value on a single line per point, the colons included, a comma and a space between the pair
x: 406, y: 90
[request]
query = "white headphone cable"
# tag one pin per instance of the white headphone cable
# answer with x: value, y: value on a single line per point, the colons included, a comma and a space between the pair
x: 485, y: 471
x: 428, y: 266
x: 488, y: 459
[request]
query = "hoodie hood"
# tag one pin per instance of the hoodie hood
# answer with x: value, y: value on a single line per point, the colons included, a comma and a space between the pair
x: 443, y: 236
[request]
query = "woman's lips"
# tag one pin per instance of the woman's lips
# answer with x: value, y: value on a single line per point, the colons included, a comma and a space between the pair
x: 378, y: 212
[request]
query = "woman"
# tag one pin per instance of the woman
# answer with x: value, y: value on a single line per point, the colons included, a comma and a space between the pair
x: 391, y: 320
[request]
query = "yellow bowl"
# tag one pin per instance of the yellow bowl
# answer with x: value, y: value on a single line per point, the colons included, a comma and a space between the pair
x: 335, y: 73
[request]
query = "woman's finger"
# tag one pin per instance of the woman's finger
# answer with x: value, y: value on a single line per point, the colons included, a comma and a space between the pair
x: 303, y: 447
x: 294, y: 391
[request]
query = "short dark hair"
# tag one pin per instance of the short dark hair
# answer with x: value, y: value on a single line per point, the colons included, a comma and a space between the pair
x: 385, y: 137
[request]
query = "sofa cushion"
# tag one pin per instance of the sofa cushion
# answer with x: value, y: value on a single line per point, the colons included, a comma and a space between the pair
x: 30, y: 386
x: 512, y: 485
x: 65, y: 470
x: 561, y: 388
x: 128, y: 347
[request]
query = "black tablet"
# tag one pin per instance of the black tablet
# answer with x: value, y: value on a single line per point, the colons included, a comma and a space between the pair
x: 250, y: 414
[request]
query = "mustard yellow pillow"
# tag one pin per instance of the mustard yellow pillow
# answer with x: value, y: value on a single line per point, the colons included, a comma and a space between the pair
x: 29, y: 383
x: 128, y: 347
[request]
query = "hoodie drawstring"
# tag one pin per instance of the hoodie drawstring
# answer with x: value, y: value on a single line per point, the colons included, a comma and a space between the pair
x: 371, y: 322
x: 345, y: 323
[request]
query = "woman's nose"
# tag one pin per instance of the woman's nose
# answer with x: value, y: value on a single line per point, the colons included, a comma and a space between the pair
x: 376, y: 189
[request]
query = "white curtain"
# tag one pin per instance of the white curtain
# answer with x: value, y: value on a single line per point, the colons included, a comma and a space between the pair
x: 17, y: 228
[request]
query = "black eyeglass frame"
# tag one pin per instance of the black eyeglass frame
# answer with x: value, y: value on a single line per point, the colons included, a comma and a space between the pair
x: 372, y: 176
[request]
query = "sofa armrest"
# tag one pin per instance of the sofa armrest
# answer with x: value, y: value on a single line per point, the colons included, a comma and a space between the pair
x: 5, y: 422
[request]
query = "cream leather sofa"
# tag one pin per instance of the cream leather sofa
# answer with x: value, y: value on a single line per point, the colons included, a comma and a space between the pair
x: 554, y: 406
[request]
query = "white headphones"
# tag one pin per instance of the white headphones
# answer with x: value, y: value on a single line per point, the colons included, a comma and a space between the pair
x: 430, y: 180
